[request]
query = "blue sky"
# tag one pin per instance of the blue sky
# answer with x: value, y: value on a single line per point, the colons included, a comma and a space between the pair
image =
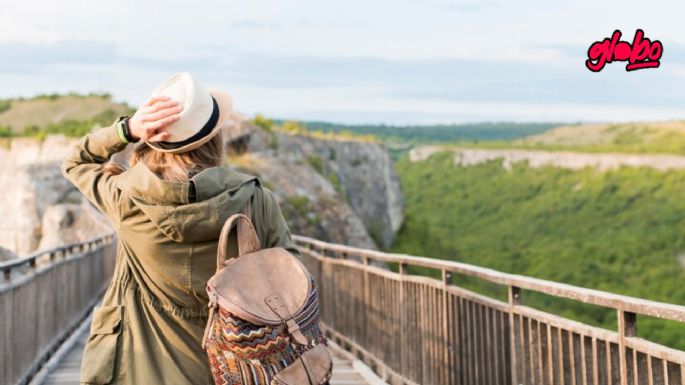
x: 400, y: 61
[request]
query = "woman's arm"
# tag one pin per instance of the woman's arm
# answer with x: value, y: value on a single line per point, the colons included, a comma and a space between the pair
x: 84, y: 168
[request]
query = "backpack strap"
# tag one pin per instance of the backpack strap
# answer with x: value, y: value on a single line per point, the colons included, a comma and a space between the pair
x: 243, y: 240
x: 275, y: 303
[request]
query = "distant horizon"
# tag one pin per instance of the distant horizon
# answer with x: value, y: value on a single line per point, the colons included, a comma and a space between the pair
x: 363, y: 123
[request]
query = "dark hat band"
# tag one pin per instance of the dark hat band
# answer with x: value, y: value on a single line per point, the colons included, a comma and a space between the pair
x: 206, y: 130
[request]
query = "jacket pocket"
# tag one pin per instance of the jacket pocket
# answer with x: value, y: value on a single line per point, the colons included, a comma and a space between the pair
x: 100, y: 353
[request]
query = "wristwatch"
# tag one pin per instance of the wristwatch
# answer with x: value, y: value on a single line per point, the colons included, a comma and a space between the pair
x: 123, y: 130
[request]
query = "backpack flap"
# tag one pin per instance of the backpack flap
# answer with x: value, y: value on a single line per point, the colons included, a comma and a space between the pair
x: 314, y: 367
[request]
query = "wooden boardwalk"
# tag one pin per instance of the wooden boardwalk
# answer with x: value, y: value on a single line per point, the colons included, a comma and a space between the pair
x: 67, y: 372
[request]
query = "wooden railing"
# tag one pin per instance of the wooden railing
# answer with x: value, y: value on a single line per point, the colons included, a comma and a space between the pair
x: 43, y: 297
x: 419, y: 330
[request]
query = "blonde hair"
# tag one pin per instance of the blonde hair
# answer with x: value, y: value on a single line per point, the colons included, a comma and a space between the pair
x: 176, y: 167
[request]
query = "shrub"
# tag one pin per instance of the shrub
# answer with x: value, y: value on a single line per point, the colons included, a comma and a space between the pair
x: 5, y: 105
x: 316, y: 163
x: 293, y: 128
x: 263, y: 122
x: 273, y: 142
x: 300, y: 203
x: 5, y: 131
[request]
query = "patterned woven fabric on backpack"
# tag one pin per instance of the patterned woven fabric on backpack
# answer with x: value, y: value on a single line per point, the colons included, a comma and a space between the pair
x: 242, y: 353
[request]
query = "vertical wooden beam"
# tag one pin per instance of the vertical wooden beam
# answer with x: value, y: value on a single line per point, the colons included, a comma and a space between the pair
x: 562, y: 372
x: 491, y: 346
x: 595, y: 362
x: 503, y: 344
x: 447, y: 343
x: 607, y: 349
x: 572, y: 357
x: 636, y: 372
x: 371, y: 311
x: 461, y: 362
x: 404, y: 332
x: 583, y: 359
x: 541, y: 370
x: 514, y: 300
x: 531, y: 351
x: 468, y: 357
x: 627, y: 327
x: 550, y: 361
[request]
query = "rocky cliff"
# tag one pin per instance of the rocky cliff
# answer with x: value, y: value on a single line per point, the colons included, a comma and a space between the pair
x: 39, y: 207
x: 338, y: 190
x: 342, y: 191
x: 569, y: 160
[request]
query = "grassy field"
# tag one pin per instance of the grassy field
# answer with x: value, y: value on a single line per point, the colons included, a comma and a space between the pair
x: 621, y: 231
x: 653, y: 137
x: 73, y: 115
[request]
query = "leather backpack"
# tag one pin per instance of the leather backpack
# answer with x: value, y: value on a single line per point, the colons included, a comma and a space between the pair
x: 263, y: 315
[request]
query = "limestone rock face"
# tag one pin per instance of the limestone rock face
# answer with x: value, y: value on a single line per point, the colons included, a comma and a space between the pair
x: 310, y: 204
x: 361, y: 172
x: 341, y: 191
x: 569, y: 160
x: 351, y: 185
x: 66, y: 223
x: 32, y: 182
x: 6, y: 255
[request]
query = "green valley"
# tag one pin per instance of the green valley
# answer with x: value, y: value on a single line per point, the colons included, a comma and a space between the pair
x: 621, y: 231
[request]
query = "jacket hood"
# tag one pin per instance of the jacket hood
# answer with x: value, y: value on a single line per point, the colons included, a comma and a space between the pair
x: 219, y: 193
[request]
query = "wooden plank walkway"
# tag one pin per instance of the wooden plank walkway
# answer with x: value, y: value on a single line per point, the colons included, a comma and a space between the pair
x: 67, y: 372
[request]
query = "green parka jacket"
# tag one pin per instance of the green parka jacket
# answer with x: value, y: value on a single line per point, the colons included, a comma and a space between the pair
x: 149, y: 326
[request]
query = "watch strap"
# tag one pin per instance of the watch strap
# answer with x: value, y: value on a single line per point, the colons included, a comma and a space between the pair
x: 123, y: 130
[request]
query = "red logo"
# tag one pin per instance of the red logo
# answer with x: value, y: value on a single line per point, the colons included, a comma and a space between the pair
x: 642, y: 53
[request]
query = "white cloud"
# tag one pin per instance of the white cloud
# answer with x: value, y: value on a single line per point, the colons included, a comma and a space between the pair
x: 539, y: 46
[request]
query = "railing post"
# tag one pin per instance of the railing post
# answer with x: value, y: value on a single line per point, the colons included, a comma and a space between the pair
x: 369, y: 312
x: 404, y: 333
x: 403, y: 268
x: 446, y: 281
x: 514, y: 300
x: 627, y: 327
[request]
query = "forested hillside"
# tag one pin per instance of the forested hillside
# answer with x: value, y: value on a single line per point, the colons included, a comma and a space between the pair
x: 621, y: 231
x: 420, y: 134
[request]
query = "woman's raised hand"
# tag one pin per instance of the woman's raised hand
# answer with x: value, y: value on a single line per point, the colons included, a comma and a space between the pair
x: 149, y: 122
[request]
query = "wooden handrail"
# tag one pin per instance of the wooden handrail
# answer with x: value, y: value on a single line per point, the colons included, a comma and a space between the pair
x: 6, y: 267
x: 42, y: 301
x: 590, y: 296
x: 415, y: 329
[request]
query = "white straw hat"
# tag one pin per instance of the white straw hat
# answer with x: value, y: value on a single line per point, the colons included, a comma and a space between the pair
x: 204, y: 113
